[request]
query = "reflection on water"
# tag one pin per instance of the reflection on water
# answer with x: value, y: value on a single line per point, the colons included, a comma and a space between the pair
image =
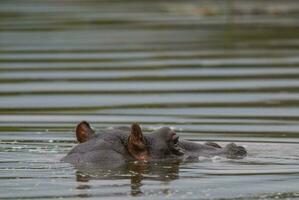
x: 136, y: 173
x: 218, y: 71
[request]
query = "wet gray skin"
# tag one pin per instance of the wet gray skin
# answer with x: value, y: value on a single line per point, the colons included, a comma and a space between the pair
x: 109, y: 148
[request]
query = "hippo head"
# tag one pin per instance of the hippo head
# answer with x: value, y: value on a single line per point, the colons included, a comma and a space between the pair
x: 164, y: 143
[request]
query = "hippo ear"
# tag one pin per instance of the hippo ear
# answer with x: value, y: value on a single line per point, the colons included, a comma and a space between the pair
x: 136, y: 132
x: 84, y: 132
x: 137, y: 146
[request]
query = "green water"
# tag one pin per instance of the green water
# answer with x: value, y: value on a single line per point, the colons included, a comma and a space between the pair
x: 213, y: 70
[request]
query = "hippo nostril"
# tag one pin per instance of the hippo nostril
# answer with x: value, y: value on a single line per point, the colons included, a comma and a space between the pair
x: 234, y: 151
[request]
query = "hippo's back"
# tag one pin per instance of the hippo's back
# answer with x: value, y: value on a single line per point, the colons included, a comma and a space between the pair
x: 105, y: 148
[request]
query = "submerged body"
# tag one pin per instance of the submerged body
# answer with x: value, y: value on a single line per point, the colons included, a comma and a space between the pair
x: 123, y: 144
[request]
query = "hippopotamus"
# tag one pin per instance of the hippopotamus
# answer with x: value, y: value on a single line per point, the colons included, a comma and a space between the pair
x: 124, y: 144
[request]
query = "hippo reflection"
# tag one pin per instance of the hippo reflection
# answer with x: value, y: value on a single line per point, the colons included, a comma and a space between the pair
x: 134, y: 172
x: 122, y: 144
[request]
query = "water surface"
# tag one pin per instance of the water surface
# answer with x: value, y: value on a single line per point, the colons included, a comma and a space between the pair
x: 224, y: 71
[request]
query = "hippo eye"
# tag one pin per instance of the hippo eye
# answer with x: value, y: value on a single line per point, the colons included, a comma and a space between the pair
x: 174, y: 138
x: 175, y: 146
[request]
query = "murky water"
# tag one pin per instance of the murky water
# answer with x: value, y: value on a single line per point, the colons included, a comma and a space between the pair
x: 214, y: 71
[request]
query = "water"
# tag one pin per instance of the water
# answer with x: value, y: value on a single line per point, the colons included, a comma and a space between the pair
x: 214, y: 71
